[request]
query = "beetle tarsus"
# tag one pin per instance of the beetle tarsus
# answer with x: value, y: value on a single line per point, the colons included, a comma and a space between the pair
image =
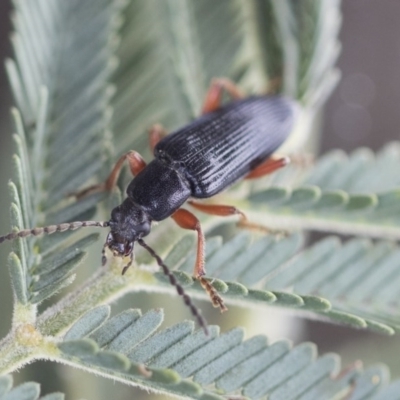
x: 216, y: 299
x: 186, y: 220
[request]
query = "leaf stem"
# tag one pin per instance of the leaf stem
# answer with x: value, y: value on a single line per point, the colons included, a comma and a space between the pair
x: 105, y: 286
x: 13, y: 355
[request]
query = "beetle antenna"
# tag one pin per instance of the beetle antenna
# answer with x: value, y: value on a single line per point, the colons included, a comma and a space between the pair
x: 186, y: 298
x: 48, y: 230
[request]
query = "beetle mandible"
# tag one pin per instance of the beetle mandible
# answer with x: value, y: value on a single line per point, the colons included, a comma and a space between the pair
x: 228, y: 142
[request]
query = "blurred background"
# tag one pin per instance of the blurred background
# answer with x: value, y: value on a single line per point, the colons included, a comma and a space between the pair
x: 363, y: 111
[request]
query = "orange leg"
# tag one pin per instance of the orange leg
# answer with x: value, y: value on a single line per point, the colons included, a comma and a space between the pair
x: 186, y: 220
x: 136, y: 164
x: 267, y: 167
x: 214, y: 94
x: 156, y: 133
x: 225, y: 211
x: 217, y: 209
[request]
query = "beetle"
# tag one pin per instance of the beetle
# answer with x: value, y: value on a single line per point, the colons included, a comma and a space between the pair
x: 228, y: 142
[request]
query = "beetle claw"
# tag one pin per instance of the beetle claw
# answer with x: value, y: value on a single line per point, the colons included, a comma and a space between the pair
x: 216, y: 300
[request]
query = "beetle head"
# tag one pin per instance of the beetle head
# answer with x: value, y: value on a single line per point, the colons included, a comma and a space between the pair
x: 119, y: 246
x: 128, y: 223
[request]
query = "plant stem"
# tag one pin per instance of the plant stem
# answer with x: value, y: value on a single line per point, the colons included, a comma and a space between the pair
x: 107, y: 285
x: 13, y: 355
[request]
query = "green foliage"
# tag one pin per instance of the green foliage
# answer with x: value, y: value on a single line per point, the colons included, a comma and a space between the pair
x: 355, y: 194
x: 70, y: 96
x: 51, y: 129
x: 334, y: 280
x: 25, y: 391
x: 129, y: 347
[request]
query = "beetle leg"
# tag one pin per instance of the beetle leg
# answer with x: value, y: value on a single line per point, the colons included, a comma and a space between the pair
x: 217, y: 209
x: 136, y: 164
x: 225, y: 211
x: 213, y: 98
x: 267, y: 167
x: 186, y: 220
x: 156, y: 133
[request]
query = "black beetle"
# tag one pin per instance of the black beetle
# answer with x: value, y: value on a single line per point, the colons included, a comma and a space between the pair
x: 227, y: 143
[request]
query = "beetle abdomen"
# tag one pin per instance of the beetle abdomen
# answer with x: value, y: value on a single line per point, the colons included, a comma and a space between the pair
x: 223, y: 146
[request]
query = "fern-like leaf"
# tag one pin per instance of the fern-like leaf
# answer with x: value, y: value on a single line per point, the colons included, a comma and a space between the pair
x: 298, y: 49
x: 180, y: 361
x: 25, y: 391
x: 337, y: 281
x: 169, y: 52
x: 167, y: 67
x: 181, y: 51
x: 355, y: 194
x: 51, y: 129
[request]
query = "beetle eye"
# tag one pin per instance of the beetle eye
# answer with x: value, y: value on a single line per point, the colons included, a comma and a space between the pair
x: 110, y: 238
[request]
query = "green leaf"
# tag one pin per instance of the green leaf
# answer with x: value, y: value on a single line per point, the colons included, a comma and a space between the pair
x: 370, y: 382
x: 282, y: 370
x: 184, y: 348
x: 54, y: 259
x: 252, y: 366
x: 311, y: 375
x: 112, y: 328
x: 164, y: 377
x: 299, y: 46
x: 221, y: 365
x: 55, y: 278
x: 208, y: 352
x: 137, y: 331
x: 91, y: 321
x: 335, y: 281
x: 54, y: 396
x: 164, y: 72
x: 51, y: 129
x: 158, y: 343
x: 75, y: 348
x: 389, y: 392
x: 109, y: 360
x: 260, y: 295
x: 25, y: 391
x: 18, y: 278
x: 180, y: 361
x: 355, y: 194
x: 6, y: 383
x: 169, y: 52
